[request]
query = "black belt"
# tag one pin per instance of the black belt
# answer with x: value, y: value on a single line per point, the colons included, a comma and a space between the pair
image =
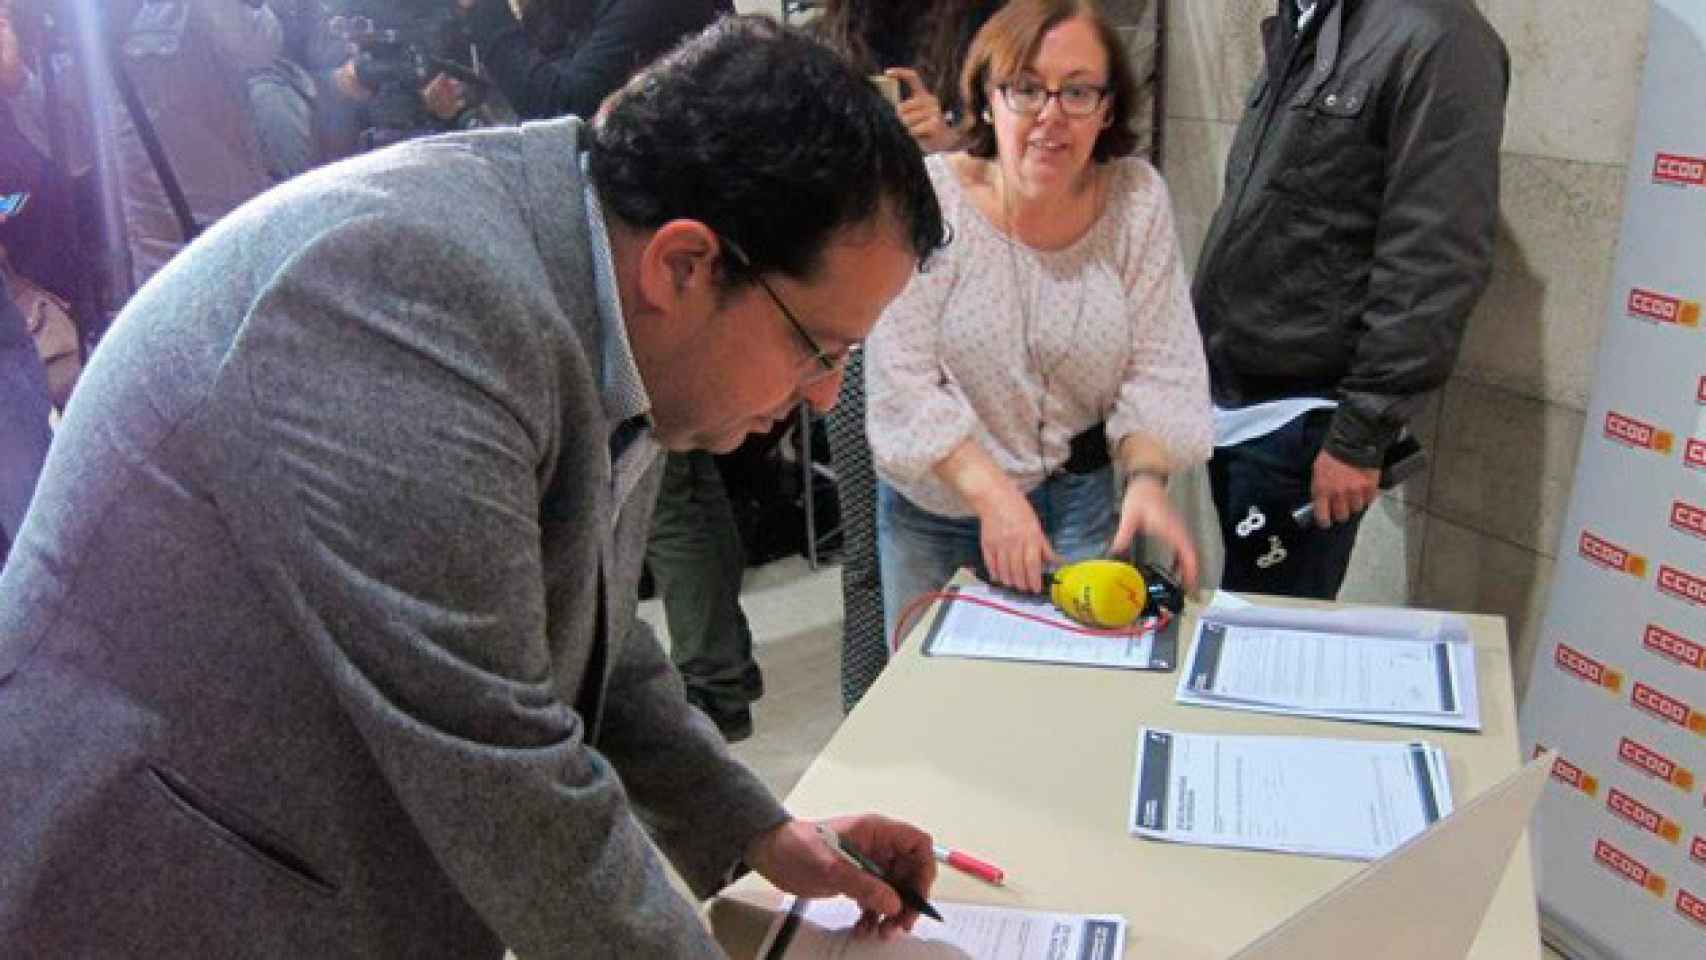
x: 1088, y: 450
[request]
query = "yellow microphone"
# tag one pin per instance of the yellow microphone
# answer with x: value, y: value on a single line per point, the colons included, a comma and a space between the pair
x: 1108, y: 594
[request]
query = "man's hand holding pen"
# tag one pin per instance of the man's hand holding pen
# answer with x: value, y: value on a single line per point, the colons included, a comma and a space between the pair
x: 799, y: 859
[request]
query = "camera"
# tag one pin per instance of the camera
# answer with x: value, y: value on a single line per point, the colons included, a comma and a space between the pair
x: 400, y: 45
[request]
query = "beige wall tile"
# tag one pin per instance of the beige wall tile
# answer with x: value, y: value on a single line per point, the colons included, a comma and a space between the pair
x: 1536, y: 329
x: 1505, y: 464
x: 1386, y: 564
x: 1575, y: 77
x: 1214, y: 50
x: 1195, y: 168
x: 1126, y: 12
x: 1472, y: 572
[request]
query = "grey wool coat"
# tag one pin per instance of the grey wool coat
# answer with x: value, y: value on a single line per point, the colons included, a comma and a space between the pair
x: 320, y: 639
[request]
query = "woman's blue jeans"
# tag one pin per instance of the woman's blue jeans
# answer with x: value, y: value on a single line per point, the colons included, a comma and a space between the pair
x: 919, y: 550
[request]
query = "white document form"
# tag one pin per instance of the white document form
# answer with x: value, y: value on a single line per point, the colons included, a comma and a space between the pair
x: 823, y: 930
x: 1384, y: 666
x: 1354, y: 799
x: 987, y: 623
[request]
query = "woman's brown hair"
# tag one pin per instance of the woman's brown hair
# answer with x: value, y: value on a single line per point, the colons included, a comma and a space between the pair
x: 1009, y: 42
x: 938, y: 33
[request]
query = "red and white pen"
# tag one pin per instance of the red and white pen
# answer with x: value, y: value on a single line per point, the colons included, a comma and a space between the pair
x: 987, y: 872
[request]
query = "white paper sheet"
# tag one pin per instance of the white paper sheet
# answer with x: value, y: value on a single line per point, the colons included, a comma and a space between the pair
x: 1354, y: 799
x: 1380, y: 665
x: 822, y: 930
x: 991, y: 624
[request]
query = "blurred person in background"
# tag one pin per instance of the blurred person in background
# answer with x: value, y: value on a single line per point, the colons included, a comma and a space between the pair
x: 187, y: 63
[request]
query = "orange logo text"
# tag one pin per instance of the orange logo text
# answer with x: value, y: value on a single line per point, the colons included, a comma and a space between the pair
x: 1630, y: 868
x: 1663, y: 308
x: 1636, y: 433
x: 1650, y: 761
x: 1611, y: 556
x: 1681, y: 584
x: 1586, y: 667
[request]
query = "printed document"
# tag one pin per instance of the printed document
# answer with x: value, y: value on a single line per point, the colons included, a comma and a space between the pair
x: 823, y: 930
x: 1384, y: 666
x: 989, y: 623
x: 1354, y: 799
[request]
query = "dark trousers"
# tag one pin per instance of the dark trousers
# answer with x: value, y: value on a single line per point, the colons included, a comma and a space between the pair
x: 1257, y: 484
x: 696, y: 558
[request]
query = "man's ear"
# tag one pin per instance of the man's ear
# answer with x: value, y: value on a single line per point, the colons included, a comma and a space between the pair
x: 679, y: 265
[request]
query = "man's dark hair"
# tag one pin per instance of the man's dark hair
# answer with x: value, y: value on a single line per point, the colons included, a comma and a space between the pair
x: 766, y: 136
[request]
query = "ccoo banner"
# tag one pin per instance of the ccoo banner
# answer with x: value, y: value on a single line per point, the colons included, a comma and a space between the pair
x: 1618, y: 685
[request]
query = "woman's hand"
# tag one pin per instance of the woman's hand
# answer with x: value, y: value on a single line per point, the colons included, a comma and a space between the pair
x: 795, y: 858
x: 1015, y: 549
x: 922, y: 113
x: 1145, y: 509
x: 443, y: 97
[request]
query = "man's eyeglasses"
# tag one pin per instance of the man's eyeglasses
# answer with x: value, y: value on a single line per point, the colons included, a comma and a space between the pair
x: 821, y: 364
x: 1029, y: 97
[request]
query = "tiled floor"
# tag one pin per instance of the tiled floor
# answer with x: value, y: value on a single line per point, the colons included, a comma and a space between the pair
x: 795, y: 614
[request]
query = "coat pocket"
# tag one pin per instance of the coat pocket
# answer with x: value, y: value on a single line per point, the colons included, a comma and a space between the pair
x: 237, y: 831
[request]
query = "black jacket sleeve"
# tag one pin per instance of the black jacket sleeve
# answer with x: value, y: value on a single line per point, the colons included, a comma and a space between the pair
x: 623, y: 36
x: 1434, y: 245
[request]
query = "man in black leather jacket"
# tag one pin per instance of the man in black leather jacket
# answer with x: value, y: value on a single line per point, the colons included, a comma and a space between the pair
x: 1354, y: 238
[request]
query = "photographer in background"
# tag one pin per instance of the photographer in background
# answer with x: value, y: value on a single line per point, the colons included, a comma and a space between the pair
x: 409, y: 72
x: 565, y: 56
x: 180, y: 79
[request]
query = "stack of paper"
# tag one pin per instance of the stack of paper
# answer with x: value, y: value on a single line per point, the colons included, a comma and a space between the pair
x: 1355, y: 799
x: 823, y: 930
x: 991, y: 624
x: 1375, y: 665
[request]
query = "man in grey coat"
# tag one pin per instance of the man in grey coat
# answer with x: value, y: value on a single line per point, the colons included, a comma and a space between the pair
x: 319, y: 638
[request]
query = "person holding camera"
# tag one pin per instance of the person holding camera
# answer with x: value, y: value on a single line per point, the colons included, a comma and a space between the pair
x: 338, y: 654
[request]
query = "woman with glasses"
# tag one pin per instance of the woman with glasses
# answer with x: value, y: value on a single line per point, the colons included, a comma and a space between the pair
x: 1031, y: 393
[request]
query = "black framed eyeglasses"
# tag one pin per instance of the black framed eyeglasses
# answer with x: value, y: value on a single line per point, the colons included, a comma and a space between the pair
x: 821, y: 364
x: 1030, y: 97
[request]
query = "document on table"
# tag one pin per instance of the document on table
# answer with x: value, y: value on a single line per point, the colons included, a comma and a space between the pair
x: 823, y: 930
x: 987, y: 623
x: 1376, y: 665
x: 1354, y: 799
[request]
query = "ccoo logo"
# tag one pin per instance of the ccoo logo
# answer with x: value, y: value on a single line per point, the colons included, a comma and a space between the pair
x: 1635, y: 433
x: 1663, y: 308
x: 1679, y: 170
